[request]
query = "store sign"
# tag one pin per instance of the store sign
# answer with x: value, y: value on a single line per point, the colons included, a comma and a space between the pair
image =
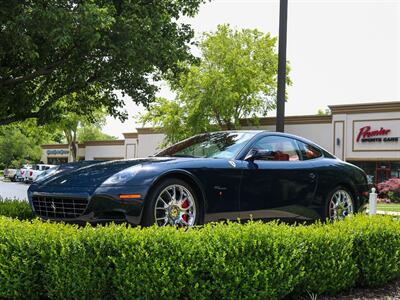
x: 376, y: 135
x: 366, y: 134
x: 57, y: 152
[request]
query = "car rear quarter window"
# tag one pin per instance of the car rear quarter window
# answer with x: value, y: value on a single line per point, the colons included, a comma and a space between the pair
x: 308, y: 152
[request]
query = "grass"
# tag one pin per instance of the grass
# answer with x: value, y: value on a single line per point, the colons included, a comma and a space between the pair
x: 389, y: 207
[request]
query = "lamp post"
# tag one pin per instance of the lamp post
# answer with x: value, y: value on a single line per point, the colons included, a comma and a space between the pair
x: 280, y: 102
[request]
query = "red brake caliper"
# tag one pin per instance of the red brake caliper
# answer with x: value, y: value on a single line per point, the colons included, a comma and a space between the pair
x: 185, y: 204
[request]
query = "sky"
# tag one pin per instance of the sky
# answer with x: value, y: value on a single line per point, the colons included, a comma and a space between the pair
x: 340, y: 51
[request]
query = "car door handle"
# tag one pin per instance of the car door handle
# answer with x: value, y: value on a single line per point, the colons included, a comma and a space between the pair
x: 312, y: 176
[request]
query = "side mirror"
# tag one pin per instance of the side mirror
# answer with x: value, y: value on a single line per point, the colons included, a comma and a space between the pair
x: 254, y: 154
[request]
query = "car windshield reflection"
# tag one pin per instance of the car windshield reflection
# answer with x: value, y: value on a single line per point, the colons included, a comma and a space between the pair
x: 210, y: 145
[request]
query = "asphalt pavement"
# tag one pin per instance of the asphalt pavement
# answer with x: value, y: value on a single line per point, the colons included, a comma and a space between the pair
x: 15, y: 190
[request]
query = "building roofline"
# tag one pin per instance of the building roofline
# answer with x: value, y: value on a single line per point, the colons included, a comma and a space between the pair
x: 360, y: 108
x: 54, y: 146
x: 84, y: 145
x: 105, y: 143
x: 149, y: 130
x: 130, y: 135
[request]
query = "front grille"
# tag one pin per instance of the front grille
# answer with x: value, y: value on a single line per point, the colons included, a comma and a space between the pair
x: 59, y: 207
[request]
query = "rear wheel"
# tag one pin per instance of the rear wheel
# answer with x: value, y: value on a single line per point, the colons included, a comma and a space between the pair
x: 172, y: 202
x: 340, y: 204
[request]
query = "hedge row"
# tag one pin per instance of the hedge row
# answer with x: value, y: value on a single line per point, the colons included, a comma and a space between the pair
x: 15, y: 208
x: 221, y: 261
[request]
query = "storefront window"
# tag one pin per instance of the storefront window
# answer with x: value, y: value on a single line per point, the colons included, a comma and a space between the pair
x: 379, y: 171
x: 57, y: 160
x: 395, y: 171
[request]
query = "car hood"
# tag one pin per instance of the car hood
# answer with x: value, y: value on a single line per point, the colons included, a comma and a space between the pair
x: 96, y: 174
x: 92, y: 175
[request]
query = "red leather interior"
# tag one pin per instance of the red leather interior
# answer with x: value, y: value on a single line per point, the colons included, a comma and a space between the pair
x: 281, y: 156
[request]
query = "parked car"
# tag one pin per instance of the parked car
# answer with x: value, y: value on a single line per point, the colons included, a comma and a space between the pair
x: 212, y: 176
x: 36, y: 170
x: 22, y: 173
x: 10, y: 174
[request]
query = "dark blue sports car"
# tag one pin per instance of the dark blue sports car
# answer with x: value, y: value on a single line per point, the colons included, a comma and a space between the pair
x: 212, y: 176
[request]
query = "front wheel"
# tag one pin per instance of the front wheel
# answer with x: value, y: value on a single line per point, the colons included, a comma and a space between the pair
x: 172, y: 202
x: 340, y: 204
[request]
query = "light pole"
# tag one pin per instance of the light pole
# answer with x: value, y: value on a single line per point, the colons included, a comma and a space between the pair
x: 280, y: 102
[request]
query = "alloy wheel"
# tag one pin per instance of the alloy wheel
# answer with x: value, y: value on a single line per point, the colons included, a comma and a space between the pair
x: 175, y: 205
x: 340, y: 205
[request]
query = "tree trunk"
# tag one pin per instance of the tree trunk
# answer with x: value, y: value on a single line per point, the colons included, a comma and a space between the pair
x: 72, y: 144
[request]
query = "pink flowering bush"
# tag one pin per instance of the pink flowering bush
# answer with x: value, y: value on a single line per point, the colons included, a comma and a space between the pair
x: 390, y: 188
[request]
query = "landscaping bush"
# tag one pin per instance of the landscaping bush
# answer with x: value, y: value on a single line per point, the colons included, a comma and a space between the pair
x: 390, y: 189
x: 376, y: 248
x: 221, y: 261
x: 15, y: 208
x: 329, y: 266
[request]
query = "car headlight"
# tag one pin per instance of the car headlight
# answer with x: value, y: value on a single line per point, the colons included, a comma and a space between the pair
x: 123, y: 176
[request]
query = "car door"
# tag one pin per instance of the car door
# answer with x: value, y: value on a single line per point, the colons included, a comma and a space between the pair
x: 280, y: 185
x: 221, y: 179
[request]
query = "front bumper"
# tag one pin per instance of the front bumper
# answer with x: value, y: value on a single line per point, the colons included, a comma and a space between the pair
x: 101, y: 205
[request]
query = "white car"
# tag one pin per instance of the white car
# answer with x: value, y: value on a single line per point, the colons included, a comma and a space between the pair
x: 36, y: 170
x: 10, y: 174
x: 22, y: 173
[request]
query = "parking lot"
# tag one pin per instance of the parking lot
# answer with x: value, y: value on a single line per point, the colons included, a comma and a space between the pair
x: 15, y: 190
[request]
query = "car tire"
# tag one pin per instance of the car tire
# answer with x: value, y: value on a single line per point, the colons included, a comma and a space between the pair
x: 183, y: 209
x: 14, y: 178
x: 339, y: 204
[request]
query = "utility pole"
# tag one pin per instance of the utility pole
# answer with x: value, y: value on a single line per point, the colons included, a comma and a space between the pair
x: 280, y: 103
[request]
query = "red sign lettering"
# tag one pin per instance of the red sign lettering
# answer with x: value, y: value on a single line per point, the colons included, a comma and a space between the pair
x: 365, y: 132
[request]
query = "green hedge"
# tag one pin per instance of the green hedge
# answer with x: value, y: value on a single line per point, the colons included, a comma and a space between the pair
x: 15, y: 208
x: 220, y: 261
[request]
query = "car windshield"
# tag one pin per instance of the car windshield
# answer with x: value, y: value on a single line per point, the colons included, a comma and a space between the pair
x: 209, y: 145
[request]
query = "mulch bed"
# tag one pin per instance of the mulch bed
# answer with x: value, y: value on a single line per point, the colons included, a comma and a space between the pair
x: 389, y: 291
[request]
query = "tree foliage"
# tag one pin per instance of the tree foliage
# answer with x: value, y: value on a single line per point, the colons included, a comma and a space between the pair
x: 50, y: 49
x: 20, y: 142
x: 72, y: 124
x: 324, y: 112
x: 92, y: 133
x: 235, y: 79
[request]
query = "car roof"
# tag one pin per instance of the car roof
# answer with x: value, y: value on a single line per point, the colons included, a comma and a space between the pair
x: 284, y: 134
x: 256, y: 132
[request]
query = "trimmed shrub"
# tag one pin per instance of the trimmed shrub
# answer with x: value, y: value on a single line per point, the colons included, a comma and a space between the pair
x: 222, y: 261
x: 15, y: 208
x: 25, y: 251
x: 376, y: 248
x: 219, y: 261
x: 328, y: 261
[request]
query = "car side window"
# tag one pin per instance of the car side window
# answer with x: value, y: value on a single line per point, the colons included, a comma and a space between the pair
x: 281, y: 148
x: 308, y: 152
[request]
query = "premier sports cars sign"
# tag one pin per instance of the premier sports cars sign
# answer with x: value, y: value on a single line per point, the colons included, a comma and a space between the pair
x: 376, y: 135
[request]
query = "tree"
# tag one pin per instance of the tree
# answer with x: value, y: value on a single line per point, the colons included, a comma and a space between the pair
x: 236, y: 78
x: 20, y: 142
x: 92, y: 133
x: 71, y: 123
x: 50, y: 49
x: 325, y: 112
